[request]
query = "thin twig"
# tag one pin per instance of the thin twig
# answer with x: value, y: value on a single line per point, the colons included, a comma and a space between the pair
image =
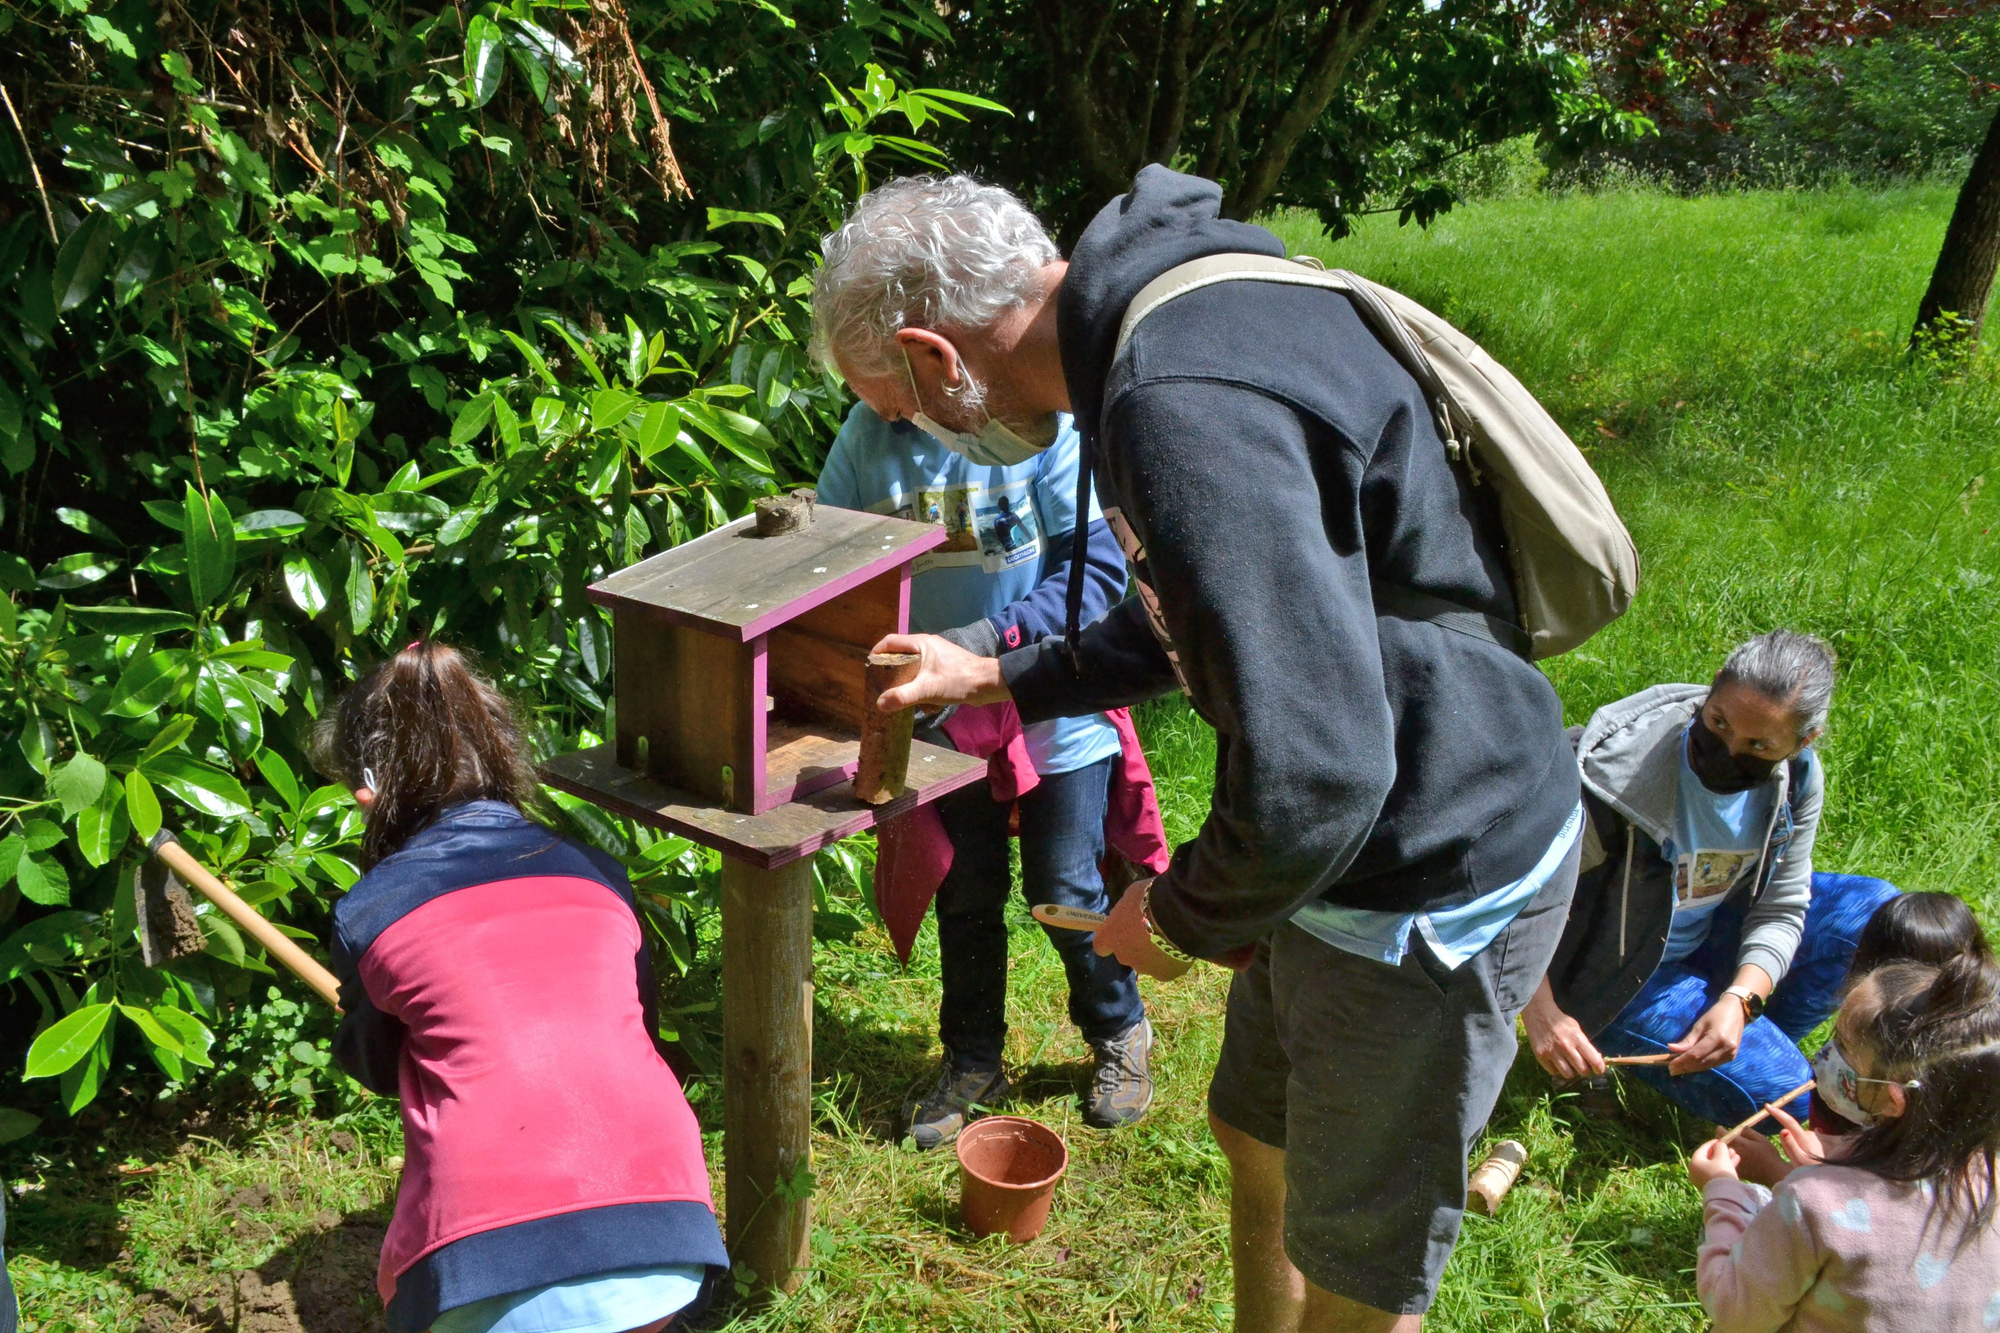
x: 1765, y: 1110
x: 48, y: 213
x: 1661, y: 1059
x: 662, y: 142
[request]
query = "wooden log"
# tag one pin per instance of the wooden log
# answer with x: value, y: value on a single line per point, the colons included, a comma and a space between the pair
x: 767, y: 996
x: 785, y: 513
x: 1495, y: 1176
x: 884, y: 764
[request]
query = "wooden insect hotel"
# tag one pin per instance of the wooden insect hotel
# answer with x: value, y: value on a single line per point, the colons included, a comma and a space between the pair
x: 743, y: 701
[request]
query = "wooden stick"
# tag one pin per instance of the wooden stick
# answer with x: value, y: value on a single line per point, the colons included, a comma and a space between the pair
x: 1765, y: 1110
x: 884, y: 763
x: 280, y: 945
x: 1665, y: 1057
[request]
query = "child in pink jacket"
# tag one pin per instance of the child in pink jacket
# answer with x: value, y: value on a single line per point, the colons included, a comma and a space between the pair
x: 1892, y: 1227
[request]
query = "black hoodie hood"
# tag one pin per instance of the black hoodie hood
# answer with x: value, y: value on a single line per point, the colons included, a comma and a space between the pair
x: 1166, y: 219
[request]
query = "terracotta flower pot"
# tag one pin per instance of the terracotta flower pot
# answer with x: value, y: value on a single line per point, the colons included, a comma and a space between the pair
x: 1008, y: 1169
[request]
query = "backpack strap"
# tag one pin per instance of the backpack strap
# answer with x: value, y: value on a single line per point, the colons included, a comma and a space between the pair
x: 1390, y: 599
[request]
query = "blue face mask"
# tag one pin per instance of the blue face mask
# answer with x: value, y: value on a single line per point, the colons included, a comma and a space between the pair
x: 996, y: 444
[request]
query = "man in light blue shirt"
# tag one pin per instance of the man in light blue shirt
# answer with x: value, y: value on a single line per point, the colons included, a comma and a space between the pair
x: 998, y: 582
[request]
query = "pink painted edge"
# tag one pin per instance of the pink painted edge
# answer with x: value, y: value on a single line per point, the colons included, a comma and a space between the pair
x: 860, y: 821
x: 793, y: 609
x: 760, y: 721
x: 820, y: 781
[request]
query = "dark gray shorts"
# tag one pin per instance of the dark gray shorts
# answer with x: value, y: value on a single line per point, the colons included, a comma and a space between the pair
x: 1377, y: 1082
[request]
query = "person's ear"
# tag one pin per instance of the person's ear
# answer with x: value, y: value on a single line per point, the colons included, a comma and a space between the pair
x: 933, y: 357
x: 1895, y: 1102
x: 364, y: 797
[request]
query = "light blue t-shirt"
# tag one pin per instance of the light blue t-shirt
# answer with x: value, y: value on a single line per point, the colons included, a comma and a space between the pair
x: 607, y: 1303
x: 1717, y: 841
x: 1453, y: 933
x: 1007, y: 525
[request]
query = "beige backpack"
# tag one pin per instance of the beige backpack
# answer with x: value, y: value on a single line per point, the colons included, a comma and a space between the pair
x: 1575, y: 568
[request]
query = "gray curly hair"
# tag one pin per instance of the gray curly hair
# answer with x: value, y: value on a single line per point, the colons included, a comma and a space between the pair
x: 923, y: 252
x: 1789, y: 668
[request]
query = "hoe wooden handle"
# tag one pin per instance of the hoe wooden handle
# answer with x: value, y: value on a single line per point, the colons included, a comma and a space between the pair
x: 278, y: 944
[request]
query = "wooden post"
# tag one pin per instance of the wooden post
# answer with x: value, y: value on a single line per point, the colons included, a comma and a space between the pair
x: 767, y: 1067
x: 884, y: 763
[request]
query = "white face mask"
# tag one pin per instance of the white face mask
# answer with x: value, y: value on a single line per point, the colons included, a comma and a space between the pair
x: 996, y: 444
x: 1838, y: 1083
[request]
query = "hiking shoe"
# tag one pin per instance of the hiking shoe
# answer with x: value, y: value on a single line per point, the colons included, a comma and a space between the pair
x: 1121, y: 1086
x: 935, y: 1119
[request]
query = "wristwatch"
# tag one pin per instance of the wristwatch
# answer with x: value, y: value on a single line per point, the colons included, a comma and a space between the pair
x: 1753, y: 1003
x: 1160, y: 940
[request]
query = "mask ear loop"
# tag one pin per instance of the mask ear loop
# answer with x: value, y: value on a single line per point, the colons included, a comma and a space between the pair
x: 368, y: 778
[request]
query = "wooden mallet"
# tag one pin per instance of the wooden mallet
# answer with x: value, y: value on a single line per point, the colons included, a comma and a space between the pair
x: 168, y: 928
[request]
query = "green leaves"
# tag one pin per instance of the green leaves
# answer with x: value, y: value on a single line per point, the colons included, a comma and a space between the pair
x: 209, y: 534
x: 147, y: 683
x: 485, y: 58
x: 142, y: 805
x: 77, y: 784
x: 67, y: 1041
x: 81, y: 262
x: 207, y: 789
x: 306, y: 581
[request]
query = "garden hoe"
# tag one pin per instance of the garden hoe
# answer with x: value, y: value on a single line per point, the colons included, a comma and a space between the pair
x: 167, y: 925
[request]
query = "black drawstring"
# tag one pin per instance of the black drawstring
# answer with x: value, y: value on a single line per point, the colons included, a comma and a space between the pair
x: 1079, y: 549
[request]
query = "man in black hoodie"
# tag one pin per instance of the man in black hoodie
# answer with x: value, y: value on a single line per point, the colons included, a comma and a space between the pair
x: 1393, y: 836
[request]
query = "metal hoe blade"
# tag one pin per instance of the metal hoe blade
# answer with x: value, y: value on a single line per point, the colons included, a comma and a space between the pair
x: 167, y: 925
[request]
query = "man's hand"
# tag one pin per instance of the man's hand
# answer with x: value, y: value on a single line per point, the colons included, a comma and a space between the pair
x: 947, y: 675
x: 1712, y: 1041
x: 1713, y: 1160
x: 1124, y: 933
x: 1559, y: 1042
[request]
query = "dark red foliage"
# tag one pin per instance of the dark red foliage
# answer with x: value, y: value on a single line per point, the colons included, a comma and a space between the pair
x: 1683, y: 60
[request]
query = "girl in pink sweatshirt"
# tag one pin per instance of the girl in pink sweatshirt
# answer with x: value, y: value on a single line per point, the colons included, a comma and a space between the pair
x: 1891, y: 1228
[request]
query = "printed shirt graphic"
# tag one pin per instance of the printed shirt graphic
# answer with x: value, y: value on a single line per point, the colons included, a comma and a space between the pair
x: 1005, y: 526
x: 1717, y: 843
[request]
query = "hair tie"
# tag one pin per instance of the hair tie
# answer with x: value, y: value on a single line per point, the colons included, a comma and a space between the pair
x: 414, y: 643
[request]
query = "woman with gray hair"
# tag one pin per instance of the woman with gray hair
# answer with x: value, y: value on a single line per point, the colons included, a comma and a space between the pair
x: 1699, y: 929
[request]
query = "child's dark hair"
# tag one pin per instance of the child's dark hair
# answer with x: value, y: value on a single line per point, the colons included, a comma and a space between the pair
x: 424, y: 730
x: 1929, y: 928
x: 1938, y: 1030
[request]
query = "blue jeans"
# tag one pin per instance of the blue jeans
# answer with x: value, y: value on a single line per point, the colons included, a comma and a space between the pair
x: 1768, y: 1064
x: 8, y: 1312
x: 1062, y: 839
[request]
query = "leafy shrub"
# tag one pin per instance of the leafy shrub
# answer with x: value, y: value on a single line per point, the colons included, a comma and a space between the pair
x: 323, y: 331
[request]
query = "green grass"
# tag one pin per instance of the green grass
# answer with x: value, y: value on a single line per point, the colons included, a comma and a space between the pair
x: 1733, y: 365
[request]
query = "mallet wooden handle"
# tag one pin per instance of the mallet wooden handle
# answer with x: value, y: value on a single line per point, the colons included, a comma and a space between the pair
x: 1068, y: 918
x: 278, y: 944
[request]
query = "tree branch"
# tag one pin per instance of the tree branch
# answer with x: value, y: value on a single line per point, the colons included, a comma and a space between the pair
x: 28, y: 151
x: 1348, y: 26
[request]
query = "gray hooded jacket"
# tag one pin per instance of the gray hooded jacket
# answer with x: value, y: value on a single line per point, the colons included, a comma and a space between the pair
x: 1629, y: 757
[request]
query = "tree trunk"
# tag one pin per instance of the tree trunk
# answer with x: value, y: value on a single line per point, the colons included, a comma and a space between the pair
x: 1163, y: 138
x: 1954, y: 305
x: 1348, y: 25
x: 1103, y: 164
